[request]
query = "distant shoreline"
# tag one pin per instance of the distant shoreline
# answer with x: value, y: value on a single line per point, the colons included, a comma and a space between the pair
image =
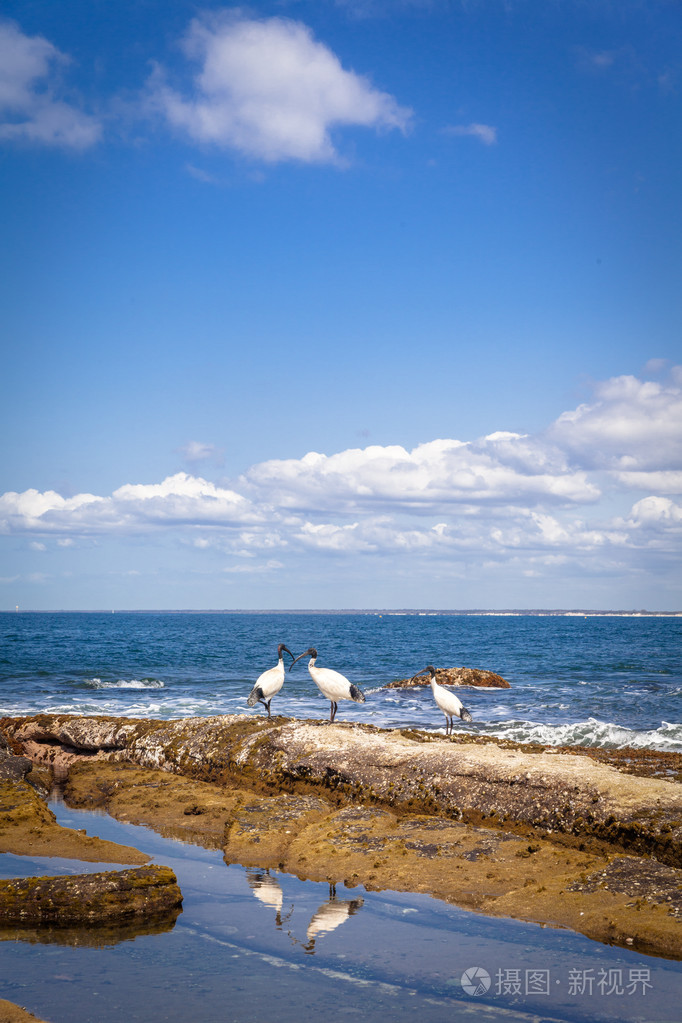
x: 382, y: 612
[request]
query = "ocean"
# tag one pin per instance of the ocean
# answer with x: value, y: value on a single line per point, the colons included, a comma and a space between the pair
x: 576, y: 679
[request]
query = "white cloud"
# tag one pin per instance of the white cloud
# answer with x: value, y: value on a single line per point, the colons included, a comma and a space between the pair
x: 259, y: 569
x: 32, y: 511
x: 327, y: 536
x: 197, y: 451
x: 632, y: 426
x: 435, y: 475
x: 31, y: 109
x: 179, y: 500
x: 657, y: 513
x: 485, y: 133
x: 664, y: 482
x: 268, y: 89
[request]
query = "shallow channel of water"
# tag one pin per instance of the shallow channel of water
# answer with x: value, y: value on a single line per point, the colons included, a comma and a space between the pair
x: 251, y: 946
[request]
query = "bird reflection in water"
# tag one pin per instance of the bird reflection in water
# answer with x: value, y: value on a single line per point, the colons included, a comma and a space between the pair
x: 330, y: 915
x: 268, y: 891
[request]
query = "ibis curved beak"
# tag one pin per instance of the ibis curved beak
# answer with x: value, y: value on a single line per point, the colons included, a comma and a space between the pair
x: 304, y: 654
x: 424, y: 671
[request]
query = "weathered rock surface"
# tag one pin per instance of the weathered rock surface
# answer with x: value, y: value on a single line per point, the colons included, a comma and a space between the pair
x: 89, y: 898
x: 12, y: 767
x: 27, y: 825
x: 501, y: 783
x: 454, y: 677
x: 556, y: 836
x: 177, y: 807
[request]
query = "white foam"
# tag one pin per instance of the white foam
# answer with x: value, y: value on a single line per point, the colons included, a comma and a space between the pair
x: 122, y: 683
x: 666, y: 738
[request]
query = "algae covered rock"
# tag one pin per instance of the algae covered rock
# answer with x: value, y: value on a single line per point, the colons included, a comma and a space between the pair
x: 454, y: 677
x: 28, y: 826
x: 86, y: 898
x: 13, y: 766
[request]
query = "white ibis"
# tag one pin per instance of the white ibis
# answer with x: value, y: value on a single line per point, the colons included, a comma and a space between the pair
x: 270, y: 682
x: 331, y: 684
x: 450, y: 704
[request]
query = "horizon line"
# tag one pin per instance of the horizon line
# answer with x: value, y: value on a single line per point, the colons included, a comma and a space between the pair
x: 356, y: 610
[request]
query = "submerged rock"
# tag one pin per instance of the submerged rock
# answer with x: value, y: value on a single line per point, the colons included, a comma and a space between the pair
x: 454, y: 677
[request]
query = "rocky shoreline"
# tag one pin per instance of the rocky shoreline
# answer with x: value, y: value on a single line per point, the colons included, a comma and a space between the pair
x: 583, y: 839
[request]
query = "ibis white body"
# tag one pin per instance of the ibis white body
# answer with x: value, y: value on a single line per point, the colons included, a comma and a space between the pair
x: 332, y: 684
x: 270, y: 682
x: 450, y: 704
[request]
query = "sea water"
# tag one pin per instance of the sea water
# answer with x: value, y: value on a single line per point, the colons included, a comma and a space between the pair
x: 590, y: 680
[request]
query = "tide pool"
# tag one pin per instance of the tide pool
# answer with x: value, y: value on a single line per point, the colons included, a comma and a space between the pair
x: 253, y: 945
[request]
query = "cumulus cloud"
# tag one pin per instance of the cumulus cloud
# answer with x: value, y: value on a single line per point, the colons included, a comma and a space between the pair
x: 270, y: 90
x: 485, y: 133
x: 657, y: 519
x: 31, y: 108
x: 179, y: 500
x: 438, y: 474
x: 632, y: 426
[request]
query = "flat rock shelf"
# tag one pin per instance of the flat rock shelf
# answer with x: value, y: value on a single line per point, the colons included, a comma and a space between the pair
x: 545, y: 835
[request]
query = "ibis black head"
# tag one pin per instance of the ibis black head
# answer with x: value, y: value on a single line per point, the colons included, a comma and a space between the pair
x: 310, y: 652
x: 429, y: 668
x: 283, y: 646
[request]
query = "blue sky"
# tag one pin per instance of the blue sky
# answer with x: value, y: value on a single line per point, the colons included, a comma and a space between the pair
x: 345, y: 303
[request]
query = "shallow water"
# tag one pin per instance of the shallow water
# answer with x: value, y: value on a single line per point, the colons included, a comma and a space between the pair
x: 594, y: 681
x: 253, y: 945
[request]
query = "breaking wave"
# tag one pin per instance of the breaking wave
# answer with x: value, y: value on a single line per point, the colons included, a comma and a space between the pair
x: 667, y: 738
x: 133, y: 683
